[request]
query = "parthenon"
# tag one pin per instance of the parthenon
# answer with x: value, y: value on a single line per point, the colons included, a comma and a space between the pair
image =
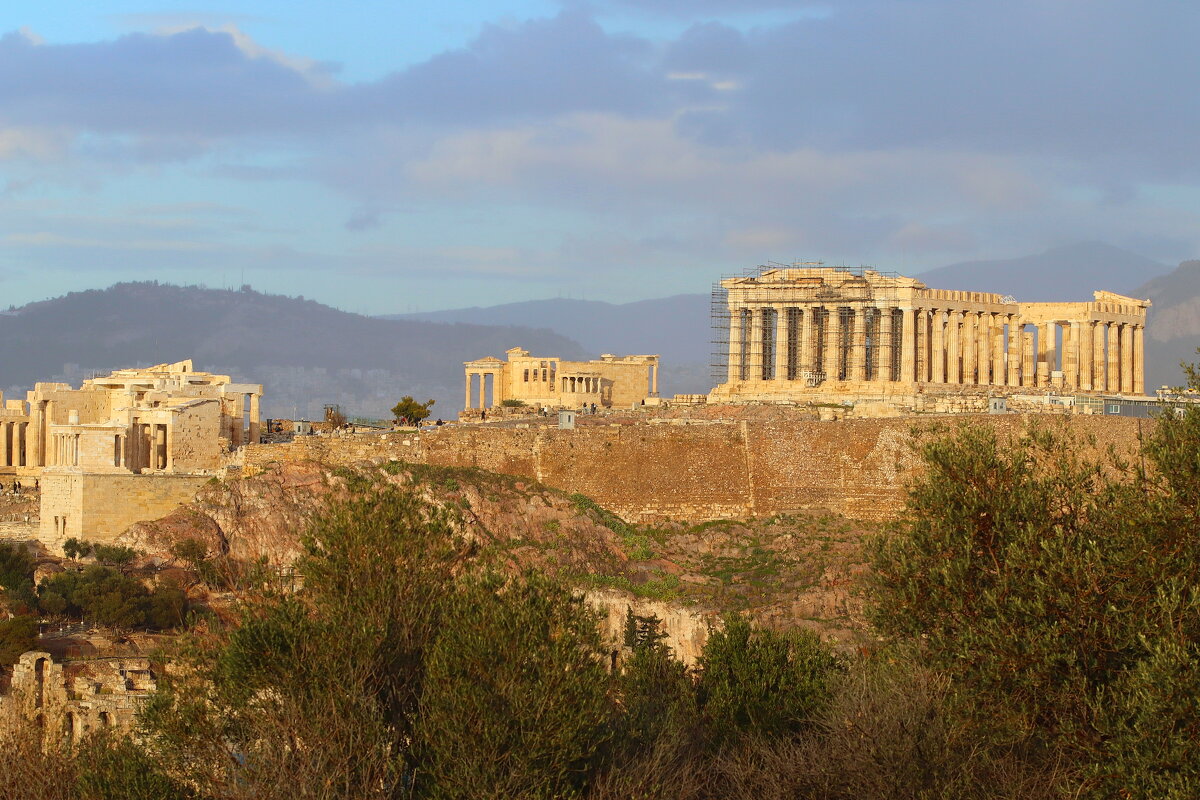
x: 807, y: 330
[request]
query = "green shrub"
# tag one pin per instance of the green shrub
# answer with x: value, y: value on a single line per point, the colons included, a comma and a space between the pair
x: 762, y: 682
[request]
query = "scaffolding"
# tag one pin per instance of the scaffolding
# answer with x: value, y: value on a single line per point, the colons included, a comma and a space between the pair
x: 842, y: 344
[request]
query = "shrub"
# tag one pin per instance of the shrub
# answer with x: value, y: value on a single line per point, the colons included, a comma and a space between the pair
x: 763, y: 682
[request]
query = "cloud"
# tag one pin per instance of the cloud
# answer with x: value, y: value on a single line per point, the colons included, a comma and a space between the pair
x: 852, y: 129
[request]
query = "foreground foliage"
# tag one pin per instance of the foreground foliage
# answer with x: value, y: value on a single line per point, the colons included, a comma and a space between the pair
x: 1060, y: 598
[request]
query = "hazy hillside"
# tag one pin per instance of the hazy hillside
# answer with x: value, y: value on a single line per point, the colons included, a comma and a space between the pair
x: 677, y: 328
x: 306, y: 354
x: 1071, y: 272
x: 1173, y: 332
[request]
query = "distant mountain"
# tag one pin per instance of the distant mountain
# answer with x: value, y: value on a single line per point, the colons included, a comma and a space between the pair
x: 1060, y: 274
x: 676, y: 328
x: 1173, y: 331
x: 306, y: 354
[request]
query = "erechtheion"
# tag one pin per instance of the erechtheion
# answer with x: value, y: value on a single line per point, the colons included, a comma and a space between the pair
x: 610, y: 381
x: 803, y: 331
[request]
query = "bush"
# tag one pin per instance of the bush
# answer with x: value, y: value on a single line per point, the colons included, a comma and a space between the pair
x: 515, y: 703
x: 762, y: 682
x: 17, y: 635
x: 104, y: 596
x: 1059, y: 596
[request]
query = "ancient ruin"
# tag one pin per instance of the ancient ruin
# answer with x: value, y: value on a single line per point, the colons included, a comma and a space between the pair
x: 123, y: 447
x: 806, y: 331
x: 609, y: 382
x: 68, y: 699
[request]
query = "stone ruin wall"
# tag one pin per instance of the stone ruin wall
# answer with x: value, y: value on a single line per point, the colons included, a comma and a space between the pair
x: 693, y: 470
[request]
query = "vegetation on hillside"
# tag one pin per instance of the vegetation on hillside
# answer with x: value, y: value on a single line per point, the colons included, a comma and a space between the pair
x: 1039, y: 637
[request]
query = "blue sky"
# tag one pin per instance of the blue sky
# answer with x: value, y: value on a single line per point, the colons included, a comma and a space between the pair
x: 394, y: 156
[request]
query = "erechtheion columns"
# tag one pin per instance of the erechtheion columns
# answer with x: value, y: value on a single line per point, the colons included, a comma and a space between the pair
x: 808, y: 330
x: 609, y: 381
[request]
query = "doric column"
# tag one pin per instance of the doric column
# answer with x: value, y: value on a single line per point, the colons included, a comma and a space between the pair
x: 1087, y: 358
x: 808, y: 339
x: 1047, y: 333
x: 922, y: 345
x: 482, y: 390
x: 756, y: 343
x: 858, y: 345
x: 1014, y: 350
x: 969, y: 349
x: 14, y: 459
x: 1070, y: 356
x: 1099, y: 365
x: 1139, y: 359
x: 735, y: 344
x: 833, y: 345
x: 654, y: 379
x: 467, y: 400
x: 908, y: 345
x: 998, y: 359
x: 255, y: 424
x: 984, y: 341
x: 938, y: 350
x: 781, y: 343
x: 1114, y: 358
x: 884, y: 371
x: 1127, y: 358
x: 1028, y: 359
x: 953, y: 347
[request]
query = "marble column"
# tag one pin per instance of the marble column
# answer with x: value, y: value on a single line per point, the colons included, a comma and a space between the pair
x: 808, y: 340
x: 756, y: 343
x: 884, y: 371
x: 922, y: 346
x: 1047, y: 333
x: 858, y: 345
x: 1099, y: 364
x: 735, y: 345
x: 984, y: 342
x: 482, y: 390
x: 255, y: 423
x: 908, y: 345
x: 467, y: 400
x: 1028, y: 360
x: 1070, y: 356
x: 1127, y: 358
x: 939, y: 346
x: 998, y: 358
x: 1139, y: 359
x: 1087, y: 358
x: 14, y: 459
x: 781, y: 343
x: 1114, y: 358
x: 953, y: 340
x: 833, y: 345
x: 970, y: 350
x: 1014, y: 350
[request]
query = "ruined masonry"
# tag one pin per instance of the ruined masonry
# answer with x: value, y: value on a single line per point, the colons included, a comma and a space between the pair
x: 804, y: 331
x: 609, y: 382
x: 123, y: 448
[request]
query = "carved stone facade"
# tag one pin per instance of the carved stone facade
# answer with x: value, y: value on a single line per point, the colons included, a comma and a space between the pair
x: 125, y: 447
x: 610, y: 381
x: 69, y: 700
x: 804, y: 332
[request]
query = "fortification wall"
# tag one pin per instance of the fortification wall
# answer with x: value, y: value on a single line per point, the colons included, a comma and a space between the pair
x: 695, y: 470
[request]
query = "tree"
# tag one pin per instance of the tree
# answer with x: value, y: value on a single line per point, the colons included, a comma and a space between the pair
x: 410, y: 410
x: 114, y: 555
x: 762, y: 682
x: 515, y: 702
x: 17, y: 635
x: 76, y: 548
x: 16, y: 575
x: 1058, y: 594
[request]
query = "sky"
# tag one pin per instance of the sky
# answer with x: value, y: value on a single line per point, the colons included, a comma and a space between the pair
x: 386, y: 157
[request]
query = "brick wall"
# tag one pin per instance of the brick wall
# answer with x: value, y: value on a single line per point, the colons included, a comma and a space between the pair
x: 695, y: 469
